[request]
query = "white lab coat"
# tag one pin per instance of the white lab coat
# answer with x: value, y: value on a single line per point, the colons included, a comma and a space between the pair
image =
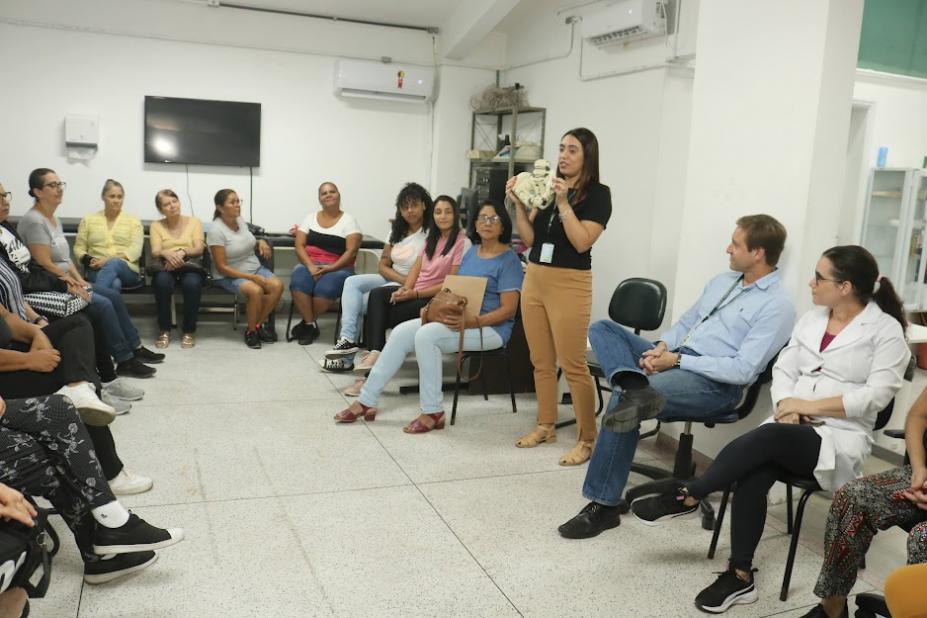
x: 865, y: 363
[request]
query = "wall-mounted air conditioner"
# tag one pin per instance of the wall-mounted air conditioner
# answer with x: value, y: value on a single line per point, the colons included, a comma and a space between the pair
x: 625, y: 20
x: 384, y: 80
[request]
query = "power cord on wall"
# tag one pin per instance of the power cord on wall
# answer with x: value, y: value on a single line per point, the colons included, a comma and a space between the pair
x: 189, y: 197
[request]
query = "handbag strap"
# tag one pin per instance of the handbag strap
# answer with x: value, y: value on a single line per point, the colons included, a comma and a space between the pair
x: 460, y: 350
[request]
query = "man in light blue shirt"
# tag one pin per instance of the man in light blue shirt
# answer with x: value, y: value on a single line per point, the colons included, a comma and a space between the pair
x: 698, y: 368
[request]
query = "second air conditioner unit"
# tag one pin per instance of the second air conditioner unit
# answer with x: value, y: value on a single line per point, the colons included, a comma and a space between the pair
x: 625, y: 20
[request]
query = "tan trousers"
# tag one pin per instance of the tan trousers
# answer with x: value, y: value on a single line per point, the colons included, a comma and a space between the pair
x: 556, y: 305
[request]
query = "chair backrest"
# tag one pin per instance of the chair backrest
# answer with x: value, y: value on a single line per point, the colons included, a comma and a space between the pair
x: 753, y: 391
x: 638, y: 303
x: 885, y: 415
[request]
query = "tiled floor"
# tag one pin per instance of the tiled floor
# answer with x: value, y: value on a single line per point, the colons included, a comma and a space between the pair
x: 288, y: 514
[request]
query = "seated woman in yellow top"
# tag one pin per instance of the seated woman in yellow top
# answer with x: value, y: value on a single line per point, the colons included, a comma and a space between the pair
x: 177, y: 248
x: 109, y: 242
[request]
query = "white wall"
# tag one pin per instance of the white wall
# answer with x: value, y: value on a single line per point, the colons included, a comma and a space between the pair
x: 370, y: 148
x: 899, y: 117
x: 641, y: 120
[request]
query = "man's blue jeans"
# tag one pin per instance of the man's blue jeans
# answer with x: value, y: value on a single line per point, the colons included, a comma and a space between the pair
x: 687, y: 394
x: 114, y: 274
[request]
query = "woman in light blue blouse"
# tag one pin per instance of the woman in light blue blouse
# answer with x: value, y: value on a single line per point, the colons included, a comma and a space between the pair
x: 490, y: 257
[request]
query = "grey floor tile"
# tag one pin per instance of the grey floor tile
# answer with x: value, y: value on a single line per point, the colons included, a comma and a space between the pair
x: 238, y: 560
x: 385, y: 552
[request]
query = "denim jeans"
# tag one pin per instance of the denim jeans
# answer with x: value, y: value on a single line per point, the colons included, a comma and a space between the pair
x: 121, y: 333
x: 687, y: 394
x: 114, y: 274
x: 192, y: 286
x: 327, y: 286
x: 354, y: 302
x: 430, y: 342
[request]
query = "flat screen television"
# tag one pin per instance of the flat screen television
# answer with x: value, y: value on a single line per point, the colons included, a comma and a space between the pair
x: 202, y: 132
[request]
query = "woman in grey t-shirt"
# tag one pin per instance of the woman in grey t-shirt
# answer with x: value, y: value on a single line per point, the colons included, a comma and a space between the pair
x: 236, y: 267
x: 41, y: 231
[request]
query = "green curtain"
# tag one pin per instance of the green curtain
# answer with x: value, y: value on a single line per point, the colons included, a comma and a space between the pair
x: 894, y: 37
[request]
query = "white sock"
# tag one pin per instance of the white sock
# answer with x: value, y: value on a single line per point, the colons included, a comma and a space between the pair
x: 112, y: 515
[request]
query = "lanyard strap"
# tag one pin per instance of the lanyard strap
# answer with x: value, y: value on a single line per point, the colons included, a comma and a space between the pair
x: 720, y: 305
x: 570, y: 195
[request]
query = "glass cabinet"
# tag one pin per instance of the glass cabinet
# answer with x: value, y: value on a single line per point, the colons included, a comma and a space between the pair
x: 893, y: 230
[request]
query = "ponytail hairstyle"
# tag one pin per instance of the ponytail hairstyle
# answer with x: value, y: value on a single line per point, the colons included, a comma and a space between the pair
x: 109, y: 184
x: 37, y: 179
x: 434, y: 234
x: 219, y: 200
x: 412, y: 192
x: 856, y: 265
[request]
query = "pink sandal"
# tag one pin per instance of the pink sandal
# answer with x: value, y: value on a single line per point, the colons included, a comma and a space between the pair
x: 417, y: 426
x: 349, y: 416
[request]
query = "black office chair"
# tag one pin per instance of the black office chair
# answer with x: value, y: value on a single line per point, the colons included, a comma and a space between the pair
x: 639, y: 304
x: 871, y: 604
x: 684, y: 466
x: 467, y: 358
x: 809, y: 486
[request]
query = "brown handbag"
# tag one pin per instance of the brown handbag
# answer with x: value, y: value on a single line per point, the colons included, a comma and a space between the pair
x: 443, y: 305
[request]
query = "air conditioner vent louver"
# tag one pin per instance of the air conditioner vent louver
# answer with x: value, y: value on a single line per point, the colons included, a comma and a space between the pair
x: 623, y: 21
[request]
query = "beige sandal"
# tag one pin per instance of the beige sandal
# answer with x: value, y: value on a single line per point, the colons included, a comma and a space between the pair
x: 579, y: 454
x: 539, y: 435
x: 164, y: 339
x: 187, y: 341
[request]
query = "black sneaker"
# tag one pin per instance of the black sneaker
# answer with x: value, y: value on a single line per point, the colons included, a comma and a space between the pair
x: 108, y: 568
x: 336, y: 365
x: 133, y: 536
x: 252, y: 339
x: 343, y: 347
x: 298, y: 330
x: 818, y: 612
x: 727, y: 590
x: 309, y: 334
x: 266, y: 335
x: 145, y: 355
x: 133, y: 368
x: 593, y: 520
x: 632, y: 407
x: 655, y: 510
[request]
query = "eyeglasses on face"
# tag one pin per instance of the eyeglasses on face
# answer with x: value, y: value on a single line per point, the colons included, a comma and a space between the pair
x: 491, y: 219
x: 411, y: 205
x: 819, y: 279
x: 6, y: 196
x: 55, y: 185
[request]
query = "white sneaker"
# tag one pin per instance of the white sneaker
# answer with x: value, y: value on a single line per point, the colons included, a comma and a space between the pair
x: 92, y: 410
x: 119, y: 405
x: 127, y: 483
x: 123, y: 390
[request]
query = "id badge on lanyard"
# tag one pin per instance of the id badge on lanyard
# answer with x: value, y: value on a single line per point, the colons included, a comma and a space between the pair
x: 547, y: 248
x: 721, y: 305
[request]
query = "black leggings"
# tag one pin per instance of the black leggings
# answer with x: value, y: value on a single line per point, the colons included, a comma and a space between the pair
x: 381, y: 315
x: 754, y: 461
x: 73, y: 338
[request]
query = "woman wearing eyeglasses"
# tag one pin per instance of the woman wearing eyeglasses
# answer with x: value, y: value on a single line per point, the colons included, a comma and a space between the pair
x: 557, y: 302
x: 492, y: 258
x: 843, y: 365
x: 326, y: 245
x: 41, y: 230
x: 109, y: 243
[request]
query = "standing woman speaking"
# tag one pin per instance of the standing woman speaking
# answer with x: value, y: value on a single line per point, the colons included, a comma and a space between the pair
x: 557, y: 294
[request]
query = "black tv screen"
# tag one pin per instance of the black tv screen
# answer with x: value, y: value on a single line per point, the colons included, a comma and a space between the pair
x: 202, y: 132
